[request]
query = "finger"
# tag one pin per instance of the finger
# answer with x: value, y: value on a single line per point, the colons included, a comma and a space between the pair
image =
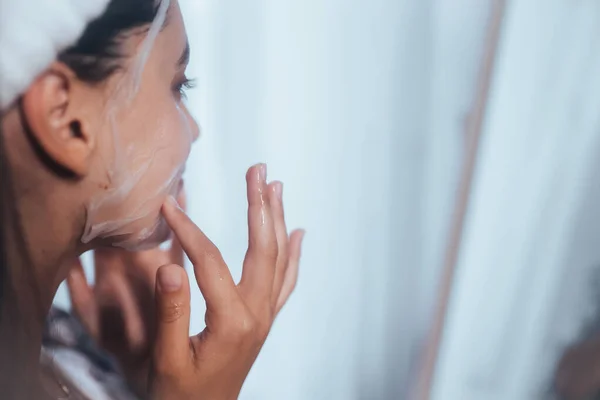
x: 83, y: 301
x: 182, y: 199
x: 259, y: 264
x: 212, y: 275
x: 107, y: 260
x: 118, y: 292
x: 142, y: 265
x: 291, y: 275
x: 152, y: 259
x: 276, y: 196
x: 176, y: 252
x: 171, y: 352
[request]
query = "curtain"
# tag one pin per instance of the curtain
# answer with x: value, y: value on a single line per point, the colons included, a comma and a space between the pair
x: 525, y: 282
x: 360, y: 108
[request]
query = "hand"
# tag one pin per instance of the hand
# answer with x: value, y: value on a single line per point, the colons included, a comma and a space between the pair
x: 118, y: 312
x: 578, y: 374
x: 214, y: 364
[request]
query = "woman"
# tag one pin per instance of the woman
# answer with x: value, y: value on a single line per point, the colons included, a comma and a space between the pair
x: 94, y: 139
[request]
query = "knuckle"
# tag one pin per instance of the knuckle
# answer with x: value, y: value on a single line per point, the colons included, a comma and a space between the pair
x: 207, y: 253
x: 261, y: 327
x: 173, y: 311
x: 242, y: 327
x: 247, y: 328
x: 247, y: 331
x: 211, y: 256
x: 271, y: 250
x: 261, y: 333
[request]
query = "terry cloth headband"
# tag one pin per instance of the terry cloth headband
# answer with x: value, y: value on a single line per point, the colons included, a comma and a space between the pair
x: 33, y: 33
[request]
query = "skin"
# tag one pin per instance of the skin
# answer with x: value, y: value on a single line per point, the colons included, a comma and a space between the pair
x: 578, y: 374
x: 117, y: 312
x: 67, y: 124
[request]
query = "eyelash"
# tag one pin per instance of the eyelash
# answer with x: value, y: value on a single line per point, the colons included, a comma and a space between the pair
x: 182, y: 87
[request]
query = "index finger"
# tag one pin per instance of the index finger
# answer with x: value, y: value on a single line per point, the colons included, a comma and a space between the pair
x: 176, y: 253
x: 212, y: 275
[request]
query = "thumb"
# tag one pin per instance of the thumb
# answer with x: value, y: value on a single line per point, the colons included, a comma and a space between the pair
x: 172, y: 345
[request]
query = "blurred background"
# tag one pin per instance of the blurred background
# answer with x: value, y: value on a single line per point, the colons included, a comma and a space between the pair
x: 365, y: 109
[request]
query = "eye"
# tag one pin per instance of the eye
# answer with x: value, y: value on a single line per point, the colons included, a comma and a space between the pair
x: 180, y: 89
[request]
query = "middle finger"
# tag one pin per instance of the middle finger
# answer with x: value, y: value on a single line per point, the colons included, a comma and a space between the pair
x: 259, y: 265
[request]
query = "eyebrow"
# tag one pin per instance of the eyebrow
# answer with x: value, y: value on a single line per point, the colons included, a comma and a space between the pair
x: 185, y: 56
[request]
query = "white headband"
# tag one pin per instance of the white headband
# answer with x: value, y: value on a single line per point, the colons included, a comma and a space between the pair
x: 33, y: 33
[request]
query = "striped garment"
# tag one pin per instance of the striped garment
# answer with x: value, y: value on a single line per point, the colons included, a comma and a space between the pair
x: 81, y: 365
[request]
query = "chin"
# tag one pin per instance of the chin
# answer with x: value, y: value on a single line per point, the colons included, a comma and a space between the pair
x: 148, y: 238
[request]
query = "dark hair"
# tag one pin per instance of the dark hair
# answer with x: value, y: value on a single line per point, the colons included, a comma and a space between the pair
x: 98, y: 53
x: 94, y: 57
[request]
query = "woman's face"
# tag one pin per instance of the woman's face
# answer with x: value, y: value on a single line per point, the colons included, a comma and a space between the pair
x: 144, y: 134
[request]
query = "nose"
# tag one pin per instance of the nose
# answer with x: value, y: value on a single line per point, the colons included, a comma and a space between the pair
x: 195, y: 129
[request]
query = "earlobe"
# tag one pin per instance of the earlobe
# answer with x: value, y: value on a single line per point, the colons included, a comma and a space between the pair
x: 55, y: 121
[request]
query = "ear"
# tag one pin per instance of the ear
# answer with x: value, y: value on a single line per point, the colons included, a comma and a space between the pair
x: 53, y: 110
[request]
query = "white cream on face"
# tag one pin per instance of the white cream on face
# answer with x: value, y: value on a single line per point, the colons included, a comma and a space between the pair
x: 154, y: 171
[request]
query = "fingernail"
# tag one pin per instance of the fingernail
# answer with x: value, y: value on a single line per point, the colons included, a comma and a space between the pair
x: 169, y: 279
x: 278, y: 187
x: 262, y: 172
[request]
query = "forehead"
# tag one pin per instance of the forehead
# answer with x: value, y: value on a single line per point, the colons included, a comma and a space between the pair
x: 171, y: 32
x: 161, y: 46
x: 173, y: 24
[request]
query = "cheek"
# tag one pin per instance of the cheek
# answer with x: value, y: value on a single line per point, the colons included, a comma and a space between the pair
x: 158, y: 150
x: 150, y: 153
